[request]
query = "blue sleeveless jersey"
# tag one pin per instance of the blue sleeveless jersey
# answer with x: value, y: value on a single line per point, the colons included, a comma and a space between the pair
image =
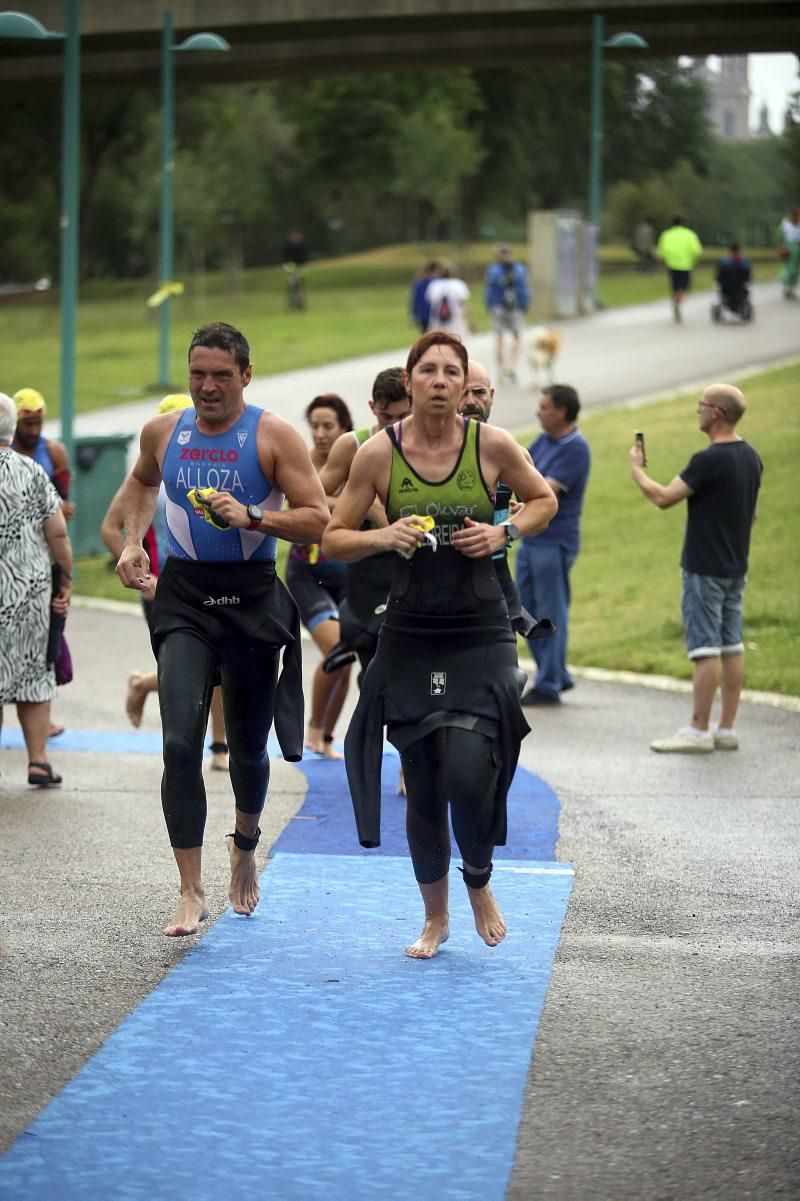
x: 41, y: 455
x: 228, y: 463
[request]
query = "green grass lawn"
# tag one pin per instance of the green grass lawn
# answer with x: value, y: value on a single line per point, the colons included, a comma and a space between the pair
x: 357, y: 306
x: 626, y: 582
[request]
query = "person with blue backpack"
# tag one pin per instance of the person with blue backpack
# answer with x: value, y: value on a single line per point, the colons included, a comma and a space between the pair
x: 508, y: 295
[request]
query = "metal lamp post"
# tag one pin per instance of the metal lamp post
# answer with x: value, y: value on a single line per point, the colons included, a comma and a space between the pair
x: 166, y: 229
x: 620, y: 41
x: 25, y: 28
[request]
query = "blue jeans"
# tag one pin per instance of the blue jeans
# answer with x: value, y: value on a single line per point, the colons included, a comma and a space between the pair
x: 543, y: 582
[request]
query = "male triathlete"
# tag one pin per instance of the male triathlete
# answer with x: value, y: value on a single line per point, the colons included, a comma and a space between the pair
x: 219, y: 607
x: 368, y: 580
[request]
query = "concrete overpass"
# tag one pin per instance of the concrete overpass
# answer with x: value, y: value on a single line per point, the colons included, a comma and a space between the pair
x: 273, y: 39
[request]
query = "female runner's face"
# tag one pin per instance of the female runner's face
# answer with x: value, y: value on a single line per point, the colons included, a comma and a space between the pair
x: 325, y: 428
x: 437, y: 380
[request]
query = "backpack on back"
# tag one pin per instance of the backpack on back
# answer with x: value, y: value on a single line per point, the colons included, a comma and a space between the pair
x: 509, y: 291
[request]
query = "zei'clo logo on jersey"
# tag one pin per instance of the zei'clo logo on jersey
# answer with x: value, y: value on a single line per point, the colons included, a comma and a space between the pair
x: 241, y: 437
x: 466, y: 480
x: 183, y: 437
x: 438, y: 683
x: 407, y: 485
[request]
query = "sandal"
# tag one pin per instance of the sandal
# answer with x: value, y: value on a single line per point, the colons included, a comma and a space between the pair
x: 45, y: 777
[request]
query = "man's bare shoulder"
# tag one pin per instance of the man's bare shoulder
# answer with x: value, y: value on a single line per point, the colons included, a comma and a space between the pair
x: 58, y: 452
x: 374, y: 451
x: 156, y: 432
x: 343, y: 450
x: 276, y: 427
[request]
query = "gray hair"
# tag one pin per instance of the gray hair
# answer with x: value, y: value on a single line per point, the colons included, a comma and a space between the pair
x: 8, y: 419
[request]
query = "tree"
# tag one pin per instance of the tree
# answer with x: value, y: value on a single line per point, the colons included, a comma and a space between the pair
x: 432, y: 156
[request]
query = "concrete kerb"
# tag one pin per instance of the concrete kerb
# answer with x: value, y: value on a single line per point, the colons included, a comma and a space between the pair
x: 602, y: 675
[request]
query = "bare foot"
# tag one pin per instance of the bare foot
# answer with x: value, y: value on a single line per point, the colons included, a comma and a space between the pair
x: 435, y: 931
x: 190, y: 913
x: 134, y: 701
x: 244, y: 891
x: 488, y: 918
x: 321, y: 744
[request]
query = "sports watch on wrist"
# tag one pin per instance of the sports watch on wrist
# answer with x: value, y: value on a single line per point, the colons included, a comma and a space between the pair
x: 256, y: 516
x: 512, y: 532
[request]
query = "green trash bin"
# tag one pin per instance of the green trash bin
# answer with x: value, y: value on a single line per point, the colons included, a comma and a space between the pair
x: 101, y: 464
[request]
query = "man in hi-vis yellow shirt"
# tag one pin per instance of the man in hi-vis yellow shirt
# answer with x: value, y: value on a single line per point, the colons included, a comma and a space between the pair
x: 680, y: 249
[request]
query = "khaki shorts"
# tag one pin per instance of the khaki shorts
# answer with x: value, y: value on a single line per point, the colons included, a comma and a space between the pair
x: 506, y: 321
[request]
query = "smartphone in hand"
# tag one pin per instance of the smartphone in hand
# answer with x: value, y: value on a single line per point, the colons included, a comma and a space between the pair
x: 639, y: 436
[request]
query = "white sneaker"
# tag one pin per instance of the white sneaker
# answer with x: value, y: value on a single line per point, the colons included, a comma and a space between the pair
x: 726, y: 741
x: 685, y: 742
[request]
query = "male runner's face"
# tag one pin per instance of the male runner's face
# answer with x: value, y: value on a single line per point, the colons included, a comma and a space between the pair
x: 29, y: 428
x: 388, y: 412
x: 476, y: 400
x: 216, y: 384
x: 437, y: 380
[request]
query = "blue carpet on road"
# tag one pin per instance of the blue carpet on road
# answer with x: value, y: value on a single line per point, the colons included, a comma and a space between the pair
x: 301, y: 1051
x: 326, y: 823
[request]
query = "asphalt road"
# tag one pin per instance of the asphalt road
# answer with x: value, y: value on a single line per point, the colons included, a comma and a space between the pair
x: 667, y: 1062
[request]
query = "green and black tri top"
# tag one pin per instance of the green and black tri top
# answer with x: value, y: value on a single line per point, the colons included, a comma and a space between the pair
x: 442, y: 581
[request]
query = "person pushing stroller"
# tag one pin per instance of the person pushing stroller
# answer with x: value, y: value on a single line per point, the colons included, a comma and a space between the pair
x: 733, y: 276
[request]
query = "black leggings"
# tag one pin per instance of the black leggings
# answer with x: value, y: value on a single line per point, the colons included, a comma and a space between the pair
x: 186, y: 672
x: 452, y: 766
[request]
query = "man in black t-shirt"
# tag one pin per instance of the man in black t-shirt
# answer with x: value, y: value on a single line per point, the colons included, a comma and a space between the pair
x: 720, y: 485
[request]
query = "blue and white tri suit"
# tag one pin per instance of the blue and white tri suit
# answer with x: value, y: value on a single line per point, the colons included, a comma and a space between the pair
x: 227, y: 462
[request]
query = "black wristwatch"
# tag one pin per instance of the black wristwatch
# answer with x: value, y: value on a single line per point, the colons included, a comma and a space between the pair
x: 512, y: 532
x: 256, y: 517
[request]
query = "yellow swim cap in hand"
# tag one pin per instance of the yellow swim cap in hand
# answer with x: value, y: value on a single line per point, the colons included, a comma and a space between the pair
x: 200, y: 500
x: 425, y: 524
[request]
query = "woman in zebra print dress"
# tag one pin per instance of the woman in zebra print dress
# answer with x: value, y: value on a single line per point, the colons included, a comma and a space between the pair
x: 31, y: 525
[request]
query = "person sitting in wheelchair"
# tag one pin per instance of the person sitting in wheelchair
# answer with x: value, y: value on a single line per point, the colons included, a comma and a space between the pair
x: 734, y: 273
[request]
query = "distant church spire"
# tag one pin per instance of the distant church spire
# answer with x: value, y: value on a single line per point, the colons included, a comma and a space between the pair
x: 729, y: 98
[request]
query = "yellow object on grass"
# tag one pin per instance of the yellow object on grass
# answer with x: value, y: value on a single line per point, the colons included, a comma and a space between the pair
x: 172, y: 287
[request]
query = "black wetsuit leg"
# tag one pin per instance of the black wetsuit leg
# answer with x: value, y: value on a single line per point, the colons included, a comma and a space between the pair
x: 471, y: 769
x: 248, y: 699
x: 452, y: 766
x: 427, y: 827
x: 186, y: 669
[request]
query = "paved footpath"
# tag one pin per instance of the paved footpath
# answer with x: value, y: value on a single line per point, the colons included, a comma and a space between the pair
x: 663, y: 1062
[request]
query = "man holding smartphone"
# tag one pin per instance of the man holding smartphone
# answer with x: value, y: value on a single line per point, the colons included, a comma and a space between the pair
x: 720, y: 485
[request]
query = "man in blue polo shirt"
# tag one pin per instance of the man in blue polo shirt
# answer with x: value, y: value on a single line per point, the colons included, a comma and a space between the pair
x: 544, y: 561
